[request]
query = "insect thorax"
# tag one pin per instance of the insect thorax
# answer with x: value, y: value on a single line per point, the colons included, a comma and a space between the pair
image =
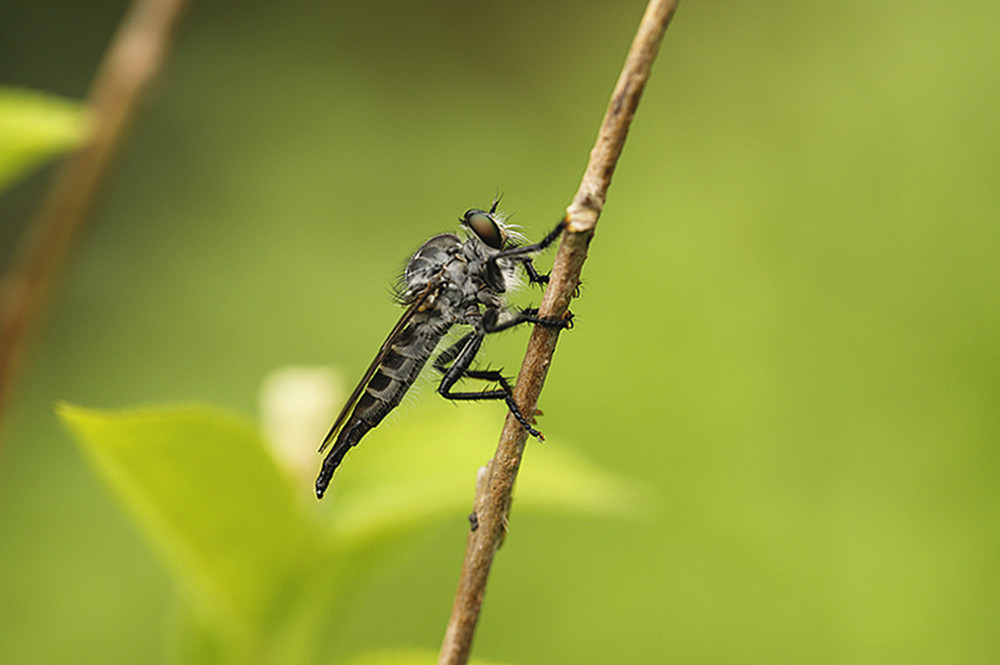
x: 461, y: 271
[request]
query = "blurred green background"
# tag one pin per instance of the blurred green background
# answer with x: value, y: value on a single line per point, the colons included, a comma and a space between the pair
x: 789, y: 327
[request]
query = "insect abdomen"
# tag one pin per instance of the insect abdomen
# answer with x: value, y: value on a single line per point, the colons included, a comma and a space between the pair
x: 394, y: 376
x: 398, y: 370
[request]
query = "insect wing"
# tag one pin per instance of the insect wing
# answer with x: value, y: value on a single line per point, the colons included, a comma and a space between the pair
x: 417, y: 306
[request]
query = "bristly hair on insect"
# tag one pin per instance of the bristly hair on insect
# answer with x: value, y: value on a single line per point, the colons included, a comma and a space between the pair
x: 449, y: 281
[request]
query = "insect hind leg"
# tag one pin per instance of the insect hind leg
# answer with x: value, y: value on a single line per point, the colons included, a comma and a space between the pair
x: 460, y: 355
x: 506, y: 393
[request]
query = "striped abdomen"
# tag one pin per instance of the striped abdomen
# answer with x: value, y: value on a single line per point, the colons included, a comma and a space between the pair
x: 407, y: 355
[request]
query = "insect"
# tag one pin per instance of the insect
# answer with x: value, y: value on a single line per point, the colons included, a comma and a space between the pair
x: 448, y: 281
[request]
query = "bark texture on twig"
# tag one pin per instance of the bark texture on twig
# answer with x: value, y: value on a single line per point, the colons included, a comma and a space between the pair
x: 493, y: 494
x: 132, y: 61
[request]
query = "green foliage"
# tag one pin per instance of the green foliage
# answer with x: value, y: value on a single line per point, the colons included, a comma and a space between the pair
x: 789, y: 322
x: 264, y: 569
x: 35, y: 127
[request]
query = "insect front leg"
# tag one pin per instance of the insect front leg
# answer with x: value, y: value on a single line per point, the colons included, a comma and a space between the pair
x: 538, y: 246
x: 534, y: 276
x: 461, y: 355
x: 522, y: 254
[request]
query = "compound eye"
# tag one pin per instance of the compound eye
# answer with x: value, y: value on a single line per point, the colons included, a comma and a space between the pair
x: 485, y: 227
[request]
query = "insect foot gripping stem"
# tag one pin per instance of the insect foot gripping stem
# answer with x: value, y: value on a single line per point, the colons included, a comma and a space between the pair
x: 531, y: 315
x: 516, y: 412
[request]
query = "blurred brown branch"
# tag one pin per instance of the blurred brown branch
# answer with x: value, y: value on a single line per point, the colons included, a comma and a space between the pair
x: 131, y: 63
x: 493, y: 493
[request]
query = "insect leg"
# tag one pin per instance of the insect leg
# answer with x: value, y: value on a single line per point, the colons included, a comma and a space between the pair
x: 448, y: 355
x: 521, y: 254
x: 492, y: 322
x: 515, y: 252
x: 537, y: 247
x: 460, y: 355
x: 534, y: 276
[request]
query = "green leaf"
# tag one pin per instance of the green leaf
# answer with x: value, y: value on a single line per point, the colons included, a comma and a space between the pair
x: 35, y: 127
x: 206, y: 491
x: 409, y: 472
x: 270, y: 568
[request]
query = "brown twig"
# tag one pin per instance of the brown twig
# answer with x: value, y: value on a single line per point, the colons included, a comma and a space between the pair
x: 132, y: 61
x: 493, y: 494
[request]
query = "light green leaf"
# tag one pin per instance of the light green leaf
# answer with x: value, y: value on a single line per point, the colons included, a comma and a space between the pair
x: 33, y: 128
x: 206, y: 491
x: 212, y: 498
x: 407, y: 472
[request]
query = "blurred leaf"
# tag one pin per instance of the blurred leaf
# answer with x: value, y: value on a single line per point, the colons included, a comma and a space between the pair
x: 408, y: 657
x: 556, y: 476
x: 205, y: 490
x: 193, y: 640
x: 408, y: 473
x: 33, y: 128
x: 211, y: 496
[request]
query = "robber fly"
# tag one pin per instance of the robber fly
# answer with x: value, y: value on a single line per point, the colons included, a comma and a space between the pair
x: 448, y: 281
